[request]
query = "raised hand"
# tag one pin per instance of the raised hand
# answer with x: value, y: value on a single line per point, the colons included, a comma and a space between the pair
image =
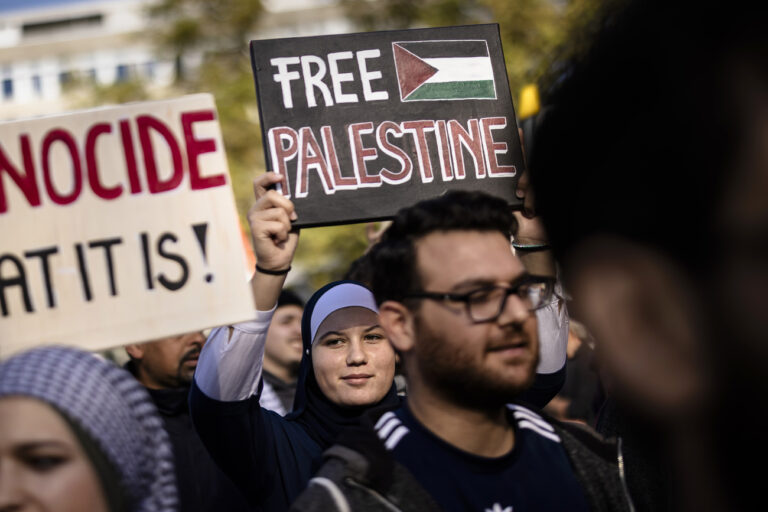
x: 274, y: 240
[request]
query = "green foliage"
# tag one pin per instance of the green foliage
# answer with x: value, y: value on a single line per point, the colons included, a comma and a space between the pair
x: 327, y: 252
x: 191, y: 25
x: 533, y: 32
x: 400, y: 14
x: 529, y: 30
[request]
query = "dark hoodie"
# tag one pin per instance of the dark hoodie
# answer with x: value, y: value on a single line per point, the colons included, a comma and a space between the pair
x: 271, y: 458
x: 202, y: 486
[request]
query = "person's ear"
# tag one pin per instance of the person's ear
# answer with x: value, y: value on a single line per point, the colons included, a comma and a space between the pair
x: 397, y: 321
x: 642, y: 313
x: 135, y: 351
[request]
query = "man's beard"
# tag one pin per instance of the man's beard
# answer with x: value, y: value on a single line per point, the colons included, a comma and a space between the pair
x: 457, y: 378
x: 293, y: 368
x: 184, y: 373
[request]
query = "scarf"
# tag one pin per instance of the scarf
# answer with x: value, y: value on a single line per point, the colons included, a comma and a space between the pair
x: 322, y: 419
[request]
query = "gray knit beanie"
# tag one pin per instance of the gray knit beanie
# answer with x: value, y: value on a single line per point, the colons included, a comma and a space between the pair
x: 111, y: 407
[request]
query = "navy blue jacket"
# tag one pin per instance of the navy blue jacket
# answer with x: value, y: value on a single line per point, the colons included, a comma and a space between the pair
x: 271, y: 458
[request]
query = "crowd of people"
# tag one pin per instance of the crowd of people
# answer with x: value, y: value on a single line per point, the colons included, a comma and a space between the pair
x: 444, y: 371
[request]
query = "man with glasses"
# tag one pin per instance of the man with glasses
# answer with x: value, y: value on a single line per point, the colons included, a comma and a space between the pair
x: 458, y: 306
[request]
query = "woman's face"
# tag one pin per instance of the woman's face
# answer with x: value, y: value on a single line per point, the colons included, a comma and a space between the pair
x: 353, y: 361
x: 42, y: 466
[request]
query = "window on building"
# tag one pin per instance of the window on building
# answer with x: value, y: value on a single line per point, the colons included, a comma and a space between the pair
x: 7, y: 89
x: 65, y: 77
x: 123, y: 73
x: 37, y: 85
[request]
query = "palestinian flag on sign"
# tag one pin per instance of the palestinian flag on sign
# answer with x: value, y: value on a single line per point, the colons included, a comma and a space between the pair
x: 444, y: 70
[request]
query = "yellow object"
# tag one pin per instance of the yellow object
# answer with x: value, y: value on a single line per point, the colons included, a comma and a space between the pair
x: 529, y: 101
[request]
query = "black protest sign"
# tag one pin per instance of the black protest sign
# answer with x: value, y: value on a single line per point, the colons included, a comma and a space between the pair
x: 361, y: 125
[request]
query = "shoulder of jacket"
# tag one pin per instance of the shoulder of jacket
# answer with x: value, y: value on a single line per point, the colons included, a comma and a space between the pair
x: 569, y: 431
x: 588, y: 438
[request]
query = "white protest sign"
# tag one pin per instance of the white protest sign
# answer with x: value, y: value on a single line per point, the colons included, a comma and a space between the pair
x: 117, y: 225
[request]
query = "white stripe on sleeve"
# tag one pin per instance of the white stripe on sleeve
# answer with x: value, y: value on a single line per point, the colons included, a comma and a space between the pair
x: 532, y: 426
x: 395, y: 438
x: 388, y: 427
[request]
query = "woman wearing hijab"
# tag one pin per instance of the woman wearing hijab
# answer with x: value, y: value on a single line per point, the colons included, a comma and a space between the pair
x: 347, y: 368
x: 79, y: 434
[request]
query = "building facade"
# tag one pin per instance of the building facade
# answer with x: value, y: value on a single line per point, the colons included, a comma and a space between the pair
x: 48, y: 46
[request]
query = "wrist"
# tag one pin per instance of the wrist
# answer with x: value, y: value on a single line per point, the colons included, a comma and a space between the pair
x: 273, y: 272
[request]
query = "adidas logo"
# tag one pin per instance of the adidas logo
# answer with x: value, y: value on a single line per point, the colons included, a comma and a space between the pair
x: 530, y: 420
x: 390, y: 430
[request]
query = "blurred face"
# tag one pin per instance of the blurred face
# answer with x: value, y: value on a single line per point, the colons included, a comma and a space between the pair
x: 475, y: 364
x: 644, y: 316
x: 742, y: 278
x: 282, y: 353
x: 168, y: 362
x: 353, y: 361
x: 42, y: 466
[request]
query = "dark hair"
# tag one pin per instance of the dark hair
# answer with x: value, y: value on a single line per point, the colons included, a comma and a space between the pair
x: 394, y: 257
x: 643, y: 137
x: 641, y: 130
x: 361, y: 269
x: 289, y: 298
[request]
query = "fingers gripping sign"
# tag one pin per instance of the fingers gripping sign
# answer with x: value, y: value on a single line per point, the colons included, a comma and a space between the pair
x: 270, y: 219
x: 523, y: 190
x: 274, y: 240
x: 530, y: 240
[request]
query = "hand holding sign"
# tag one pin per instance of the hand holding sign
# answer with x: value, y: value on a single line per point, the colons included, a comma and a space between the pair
x: 523, y: 190
x: 270, y: 219
x: 530, y: 238
x: 274, y: 242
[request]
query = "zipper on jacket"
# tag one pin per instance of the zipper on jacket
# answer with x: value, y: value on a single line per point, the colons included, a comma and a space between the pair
x: 623, y: 477
x: 384, y: 501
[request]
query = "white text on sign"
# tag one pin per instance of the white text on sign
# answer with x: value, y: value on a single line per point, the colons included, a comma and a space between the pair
x: 313, y: 69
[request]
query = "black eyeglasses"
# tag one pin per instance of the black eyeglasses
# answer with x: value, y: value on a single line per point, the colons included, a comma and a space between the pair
x: 486, y: 304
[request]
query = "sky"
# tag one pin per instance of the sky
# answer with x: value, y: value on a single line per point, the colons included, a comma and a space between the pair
x: 13, y: 5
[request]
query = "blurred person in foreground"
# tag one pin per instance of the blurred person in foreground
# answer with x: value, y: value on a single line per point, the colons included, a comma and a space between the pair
x: 78, y: 434
x: 458, y: 306
x: 650, y: 168
x: 165, y: 367
x: 282, y: 354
